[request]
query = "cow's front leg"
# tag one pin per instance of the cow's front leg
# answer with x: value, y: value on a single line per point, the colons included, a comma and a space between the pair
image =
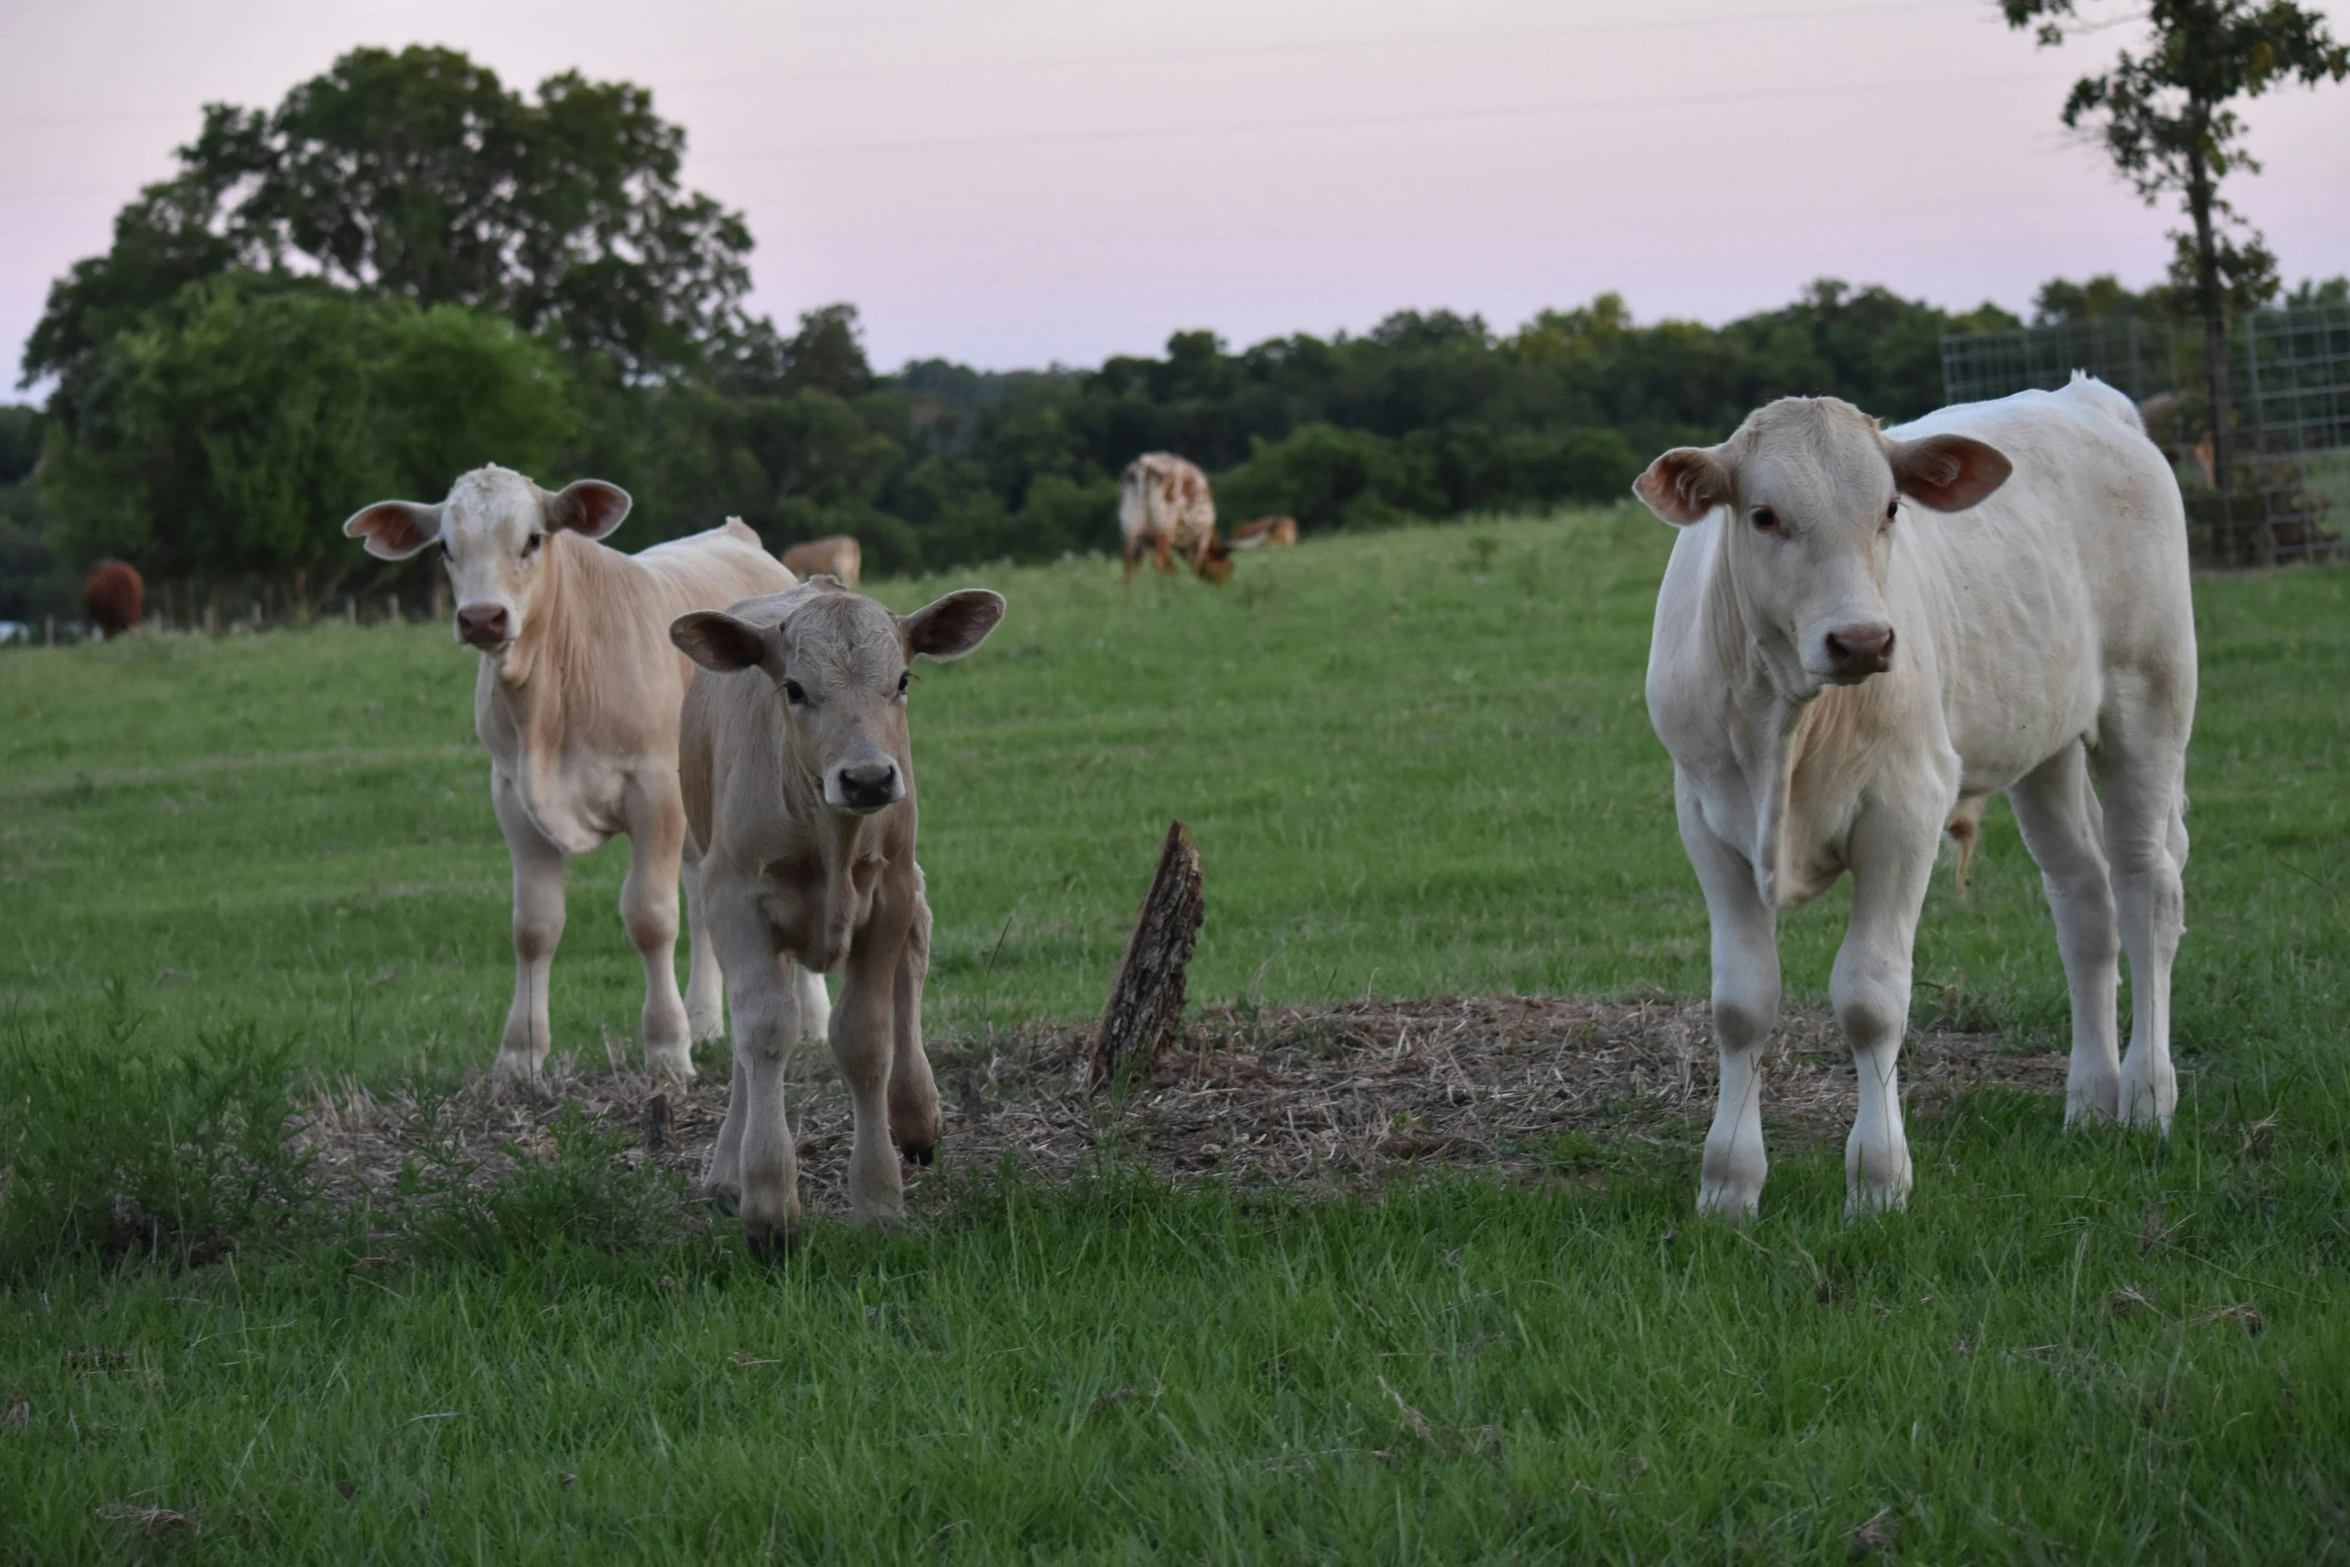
x: 705, y: 998
x: 539, y: 876
x: 648, y: 908
x: 1745, y: 1008
x: 913, y: 1092
x: 754, y: 1169
x: 1892, y: 856
x: 863, y: 1038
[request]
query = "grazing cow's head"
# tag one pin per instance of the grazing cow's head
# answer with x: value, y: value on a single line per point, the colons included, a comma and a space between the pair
x: 1814, y: 491
x: 492, y: 531
x: 1215, y: 561
x: 841, y: 663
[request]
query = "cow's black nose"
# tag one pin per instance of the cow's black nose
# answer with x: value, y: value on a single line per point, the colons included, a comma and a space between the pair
x: 1860, y: 650
x: 876, y: 784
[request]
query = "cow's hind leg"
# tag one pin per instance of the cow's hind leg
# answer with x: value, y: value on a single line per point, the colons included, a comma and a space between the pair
x: 755, y: 1169
x: 2141, y: 761
x: 539, y: 877
x: 648, y: 908
x: 1892, y: 862
x: 913, y: 1092
x: 1746, y: 1009
x: 2064, y: 829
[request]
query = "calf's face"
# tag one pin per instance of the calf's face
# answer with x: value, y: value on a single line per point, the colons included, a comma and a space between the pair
x: 492, y: 531
x: 1814, y: 492
x: 841, y: 665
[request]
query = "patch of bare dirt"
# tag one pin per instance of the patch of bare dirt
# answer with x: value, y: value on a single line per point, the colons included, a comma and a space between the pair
x: 1310, y: 1097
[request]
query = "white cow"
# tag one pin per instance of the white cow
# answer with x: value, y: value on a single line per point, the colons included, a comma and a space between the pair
x: 1861, y: 636
x: 577, y: 703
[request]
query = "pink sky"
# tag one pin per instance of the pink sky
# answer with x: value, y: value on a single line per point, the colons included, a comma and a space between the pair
x: 1042, y: 180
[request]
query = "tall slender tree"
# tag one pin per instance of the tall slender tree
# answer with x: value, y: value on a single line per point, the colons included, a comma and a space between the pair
x: 2165, y: 117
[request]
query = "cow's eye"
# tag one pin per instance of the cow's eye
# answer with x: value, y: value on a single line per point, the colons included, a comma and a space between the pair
x: 1766, y: 519
x: 530, y: 546
x: 1891, y: 507
x: 905, y: 679
x: 794, y: 692
x: 447, y: 553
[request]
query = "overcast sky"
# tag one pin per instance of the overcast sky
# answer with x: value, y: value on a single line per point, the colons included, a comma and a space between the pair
x: 1028, y: 181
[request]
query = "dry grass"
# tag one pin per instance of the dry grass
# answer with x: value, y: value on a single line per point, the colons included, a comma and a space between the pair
x: 1305, y: 1098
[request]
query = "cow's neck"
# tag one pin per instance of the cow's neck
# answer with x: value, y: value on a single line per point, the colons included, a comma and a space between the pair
x: 1804, y: 757
x: 551, y: 668
x: 852, y: 850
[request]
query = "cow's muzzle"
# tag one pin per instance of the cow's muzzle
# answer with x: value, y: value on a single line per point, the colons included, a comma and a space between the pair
x: 488, y: 627
x: 1858, y: 651
x: 864, y: 788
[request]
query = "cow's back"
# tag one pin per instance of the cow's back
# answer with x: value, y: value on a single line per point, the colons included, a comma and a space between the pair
x: 2069, y: 577
x: 711, y: 570
x: 2090, y: 524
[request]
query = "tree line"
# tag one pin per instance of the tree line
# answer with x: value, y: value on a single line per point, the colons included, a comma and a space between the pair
x: 407, y: 268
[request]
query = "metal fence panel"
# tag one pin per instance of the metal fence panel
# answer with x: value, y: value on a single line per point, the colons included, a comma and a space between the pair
x: 2290, y: 379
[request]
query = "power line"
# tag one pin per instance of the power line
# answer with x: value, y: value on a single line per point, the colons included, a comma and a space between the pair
x: 1367, y: 121
x: 1155, y: 56
x: 1313, y: 46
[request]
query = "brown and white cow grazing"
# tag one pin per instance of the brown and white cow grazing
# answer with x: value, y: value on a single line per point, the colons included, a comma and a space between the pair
x: 1864, y: 634
x: 799, y: 796
x: 577, y: 702
x: 1165, y: 509
x: 114, y: 597
x: 835, y: 556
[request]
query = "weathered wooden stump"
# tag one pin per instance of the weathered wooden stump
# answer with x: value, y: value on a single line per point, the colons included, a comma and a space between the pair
x: 1146, y: 999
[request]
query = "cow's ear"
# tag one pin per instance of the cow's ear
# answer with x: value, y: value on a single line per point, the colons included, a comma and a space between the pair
x: 394, y: 530
x: 1685, y: 484
x: 954, y: 625
x: 1948, y: 472
x: 587, y: 506
x: 719, y: 643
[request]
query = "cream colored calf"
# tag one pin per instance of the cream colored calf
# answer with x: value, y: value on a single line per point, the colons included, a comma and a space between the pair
x: 1861, y: 636
x: 799, y: 796
x: 577, y: 703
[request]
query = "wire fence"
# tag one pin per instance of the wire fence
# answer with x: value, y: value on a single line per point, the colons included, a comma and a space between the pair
x: 2290, y: 383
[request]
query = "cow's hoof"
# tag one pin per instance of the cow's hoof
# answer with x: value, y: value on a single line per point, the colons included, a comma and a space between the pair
x: 924, y: 1157
x: 770, y: 1245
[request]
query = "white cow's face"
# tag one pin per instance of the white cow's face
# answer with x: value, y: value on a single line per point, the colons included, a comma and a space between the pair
x: 840, y: 664
x: 1813, y: 494
x: 492, y: 532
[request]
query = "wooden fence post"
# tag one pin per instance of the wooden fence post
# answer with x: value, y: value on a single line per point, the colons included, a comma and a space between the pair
x: 1146, y: 997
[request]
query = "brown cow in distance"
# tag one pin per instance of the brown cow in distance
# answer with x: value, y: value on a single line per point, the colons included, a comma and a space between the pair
x: 1265, y: 530
x: 114, y: 597
x: 837, y: 556
x: 1165, y: 508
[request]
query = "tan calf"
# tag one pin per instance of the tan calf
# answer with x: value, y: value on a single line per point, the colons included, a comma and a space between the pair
x: 837, y: 556
x: 577, y: 702
x: 799, y: 799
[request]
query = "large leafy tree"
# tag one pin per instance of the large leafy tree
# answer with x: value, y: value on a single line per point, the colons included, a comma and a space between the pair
x: 419, y: 174
x: 2165, y: 116
x: 229, y: 433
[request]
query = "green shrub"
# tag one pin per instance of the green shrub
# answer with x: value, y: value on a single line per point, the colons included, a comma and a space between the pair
x: 175, y: 1153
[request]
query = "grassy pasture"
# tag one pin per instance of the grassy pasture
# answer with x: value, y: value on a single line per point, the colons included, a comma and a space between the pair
x: 1415, y: 763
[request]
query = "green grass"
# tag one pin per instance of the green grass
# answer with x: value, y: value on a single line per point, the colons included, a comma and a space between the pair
x: 1415, y: 762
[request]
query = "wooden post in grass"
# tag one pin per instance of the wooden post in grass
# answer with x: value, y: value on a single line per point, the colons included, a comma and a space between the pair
x: 1146, y: 999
